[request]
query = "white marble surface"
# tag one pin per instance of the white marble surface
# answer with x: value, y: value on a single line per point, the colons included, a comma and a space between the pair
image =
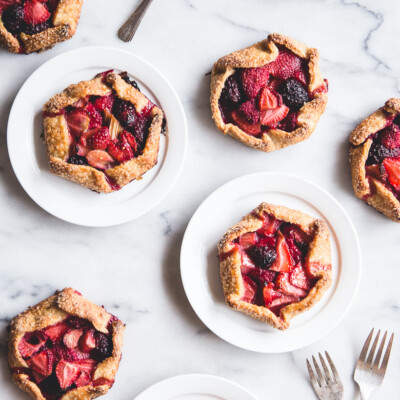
x: 133, y: 269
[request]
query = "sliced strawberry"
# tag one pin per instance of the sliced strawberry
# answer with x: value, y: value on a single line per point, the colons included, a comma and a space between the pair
x: 269, y: 294
x: 4, y: 4
x: 42, y: 362
x: 272, y: 117
x: 130, y: 139
x: 84, y: 139
x: 253, y: 130
x: 250, y: 289
x: 103, y: 381
x: 78, y: 121
x: 270, y: 225
x: 247, y: 265
x: 283, y: 262
x: 71, y: 338
x: 253, y: 79
x: 87, y: 366
x: 100, y: 159
x: 269, y: 99
x: 299, y: 278
x: 96, y: 120
x: 100, y: 139
x: 81, y: 150
x: 114, y: 149
x: 57, y: 331
x: 81, y: 103
x: 392, y: 167
x: 38, y: 377
x: 35, y: 13
x: 67, y: 373
x: 373, y: 171
x: 283, y: 284
x: 321, y: 89
x: 247, y: 240
x: 104, y: 102
x: 31, y: 343
x: 83, y: 379
x: 282, y: 300
x: 88, y: 341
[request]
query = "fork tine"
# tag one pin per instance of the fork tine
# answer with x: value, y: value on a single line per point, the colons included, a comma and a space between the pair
x: 312, y: 376
x: 364, y: 350
x: 325, y: 368
x: 385, y: 361
x: 333, y: 368
x: 319, y: 373
x: 375, y: 367
x: 372, y: 351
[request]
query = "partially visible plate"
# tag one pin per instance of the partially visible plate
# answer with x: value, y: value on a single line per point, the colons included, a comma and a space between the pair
x: 67, y: 200
x: 200, y: 265
x: 196, y: 387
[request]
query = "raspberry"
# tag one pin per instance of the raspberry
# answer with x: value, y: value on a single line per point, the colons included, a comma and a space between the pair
x: 100, y: 139
x: 253, y: 79
x: 248, y: 111
x: 77, y: 160
x: 231, y: 94
x: 293, y: 93
x: 262, y: 256
x: 104, y: 102
x: 13, y: 19
x: 289, y: 123
x: 390, y: 136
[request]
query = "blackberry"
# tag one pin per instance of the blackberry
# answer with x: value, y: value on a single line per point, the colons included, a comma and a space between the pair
x: 125, y: 113
x: 77, y: 160
x: 378, y: 152
x: 34, y: 29
x: 13, y: 19
x: 231, y: 94
x: 293, y: 93
x: 131, y: 82
x: 262, y: 256
x: 103, y: 347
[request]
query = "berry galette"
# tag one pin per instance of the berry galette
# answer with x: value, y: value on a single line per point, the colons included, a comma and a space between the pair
x: 275, y: 263
x: 65, y: 348
x: 102, y: 133
x: 269, y: 95
x: 375, y: 159
x: 27, y: 26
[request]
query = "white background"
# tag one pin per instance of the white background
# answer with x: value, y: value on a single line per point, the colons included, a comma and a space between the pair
x: 133, y: 269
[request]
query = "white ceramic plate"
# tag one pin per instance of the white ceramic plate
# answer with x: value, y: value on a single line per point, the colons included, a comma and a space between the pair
x: 65, y: 199
x: 200, y: 265
x: 196, y: 387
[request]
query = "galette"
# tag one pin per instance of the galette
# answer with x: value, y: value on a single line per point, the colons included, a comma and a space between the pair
x: 269, y: 95
x: 275, y: 263
x: 375, y: 159
x: 65, y: 348
x: 102, y: 133
x: 28, y: 26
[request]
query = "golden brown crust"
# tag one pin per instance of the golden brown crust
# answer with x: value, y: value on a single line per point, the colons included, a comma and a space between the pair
x: 65, y: 20
x: 51, y: 311
x: 257, y: 55
x: 57, y: 138
x: 370, y: 189
x: 319, y: 254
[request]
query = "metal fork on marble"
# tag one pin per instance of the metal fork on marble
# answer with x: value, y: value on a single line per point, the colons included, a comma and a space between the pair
x: 327, y: 384
x: 130, y: 27
x: 370, y: 371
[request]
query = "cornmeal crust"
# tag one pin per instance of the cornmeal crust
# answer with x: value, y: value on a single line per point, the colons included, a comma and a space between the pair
x: 51, y: 311
x: 318, y: 261
x: 57, y: 139
x: 257, y: 55
x: 372, y: 190
x: 65, y: 20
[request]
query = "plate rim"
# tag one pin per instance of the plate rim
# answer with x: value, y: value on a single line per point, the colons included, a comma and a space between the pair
x: 184, y: 137
x: 215, y: 378
x: 185, y: 279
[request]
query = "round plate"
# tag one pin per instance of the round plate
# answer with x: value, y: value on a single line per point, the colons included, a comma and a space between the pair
x: 200, y: 265
x: 196, y: 387
x: 70, y: 201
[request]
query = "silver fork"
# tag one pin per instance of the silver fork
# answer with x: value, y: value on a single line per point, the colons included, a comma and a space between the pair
x: 327, y: 384
x: 129, y: 28
x: 369, y: 372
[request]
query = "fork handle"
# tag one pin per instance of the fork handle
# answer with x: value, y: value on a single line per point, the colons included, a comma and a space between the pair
x: 130, y: 27
x: 366, y: 392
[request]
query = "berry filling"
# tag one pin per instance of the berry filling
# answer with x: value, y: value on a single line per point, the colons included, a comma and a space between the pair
x: 267, y: 97
x: 27, y: 16
x: 64, y: 356
x: 106, y: 131
x: 273, y: 264
x: 383, y: 161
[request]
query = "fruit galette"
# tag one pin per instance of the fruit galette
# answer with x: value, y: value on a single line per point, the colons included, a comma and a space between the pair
x: 269, y: 95
x: 275, y: 263
x: 375, y: 159
x: 65, y: 348
x: 36, y: 25
x: 102, y: 133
